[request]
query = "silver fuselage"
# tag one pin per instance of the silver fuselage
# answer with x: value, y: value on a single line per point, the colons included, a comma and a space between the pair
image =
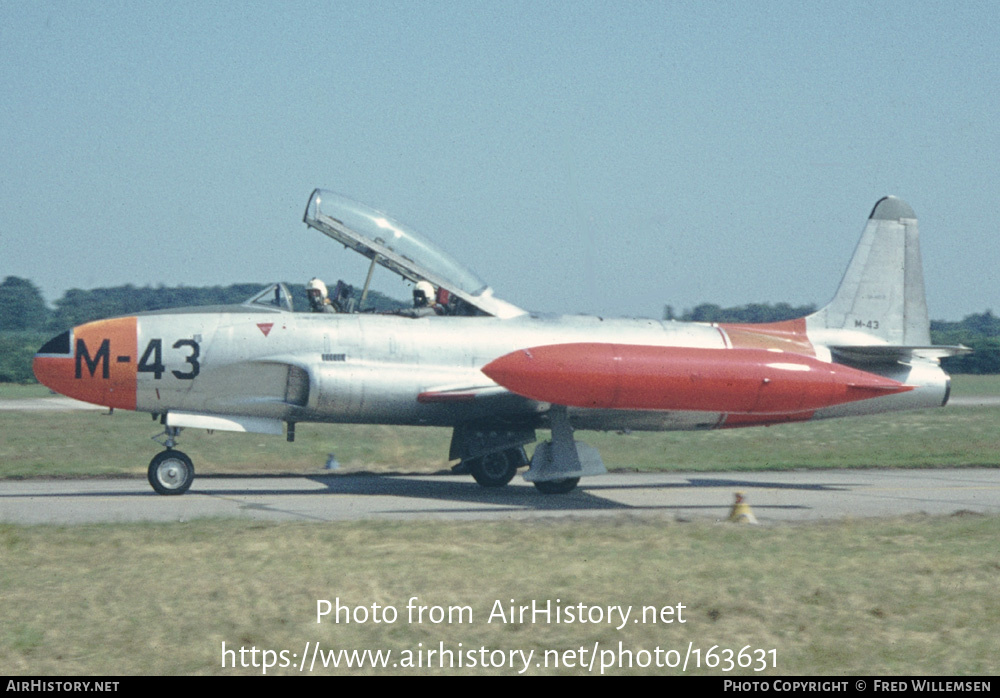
x: 363, y: 368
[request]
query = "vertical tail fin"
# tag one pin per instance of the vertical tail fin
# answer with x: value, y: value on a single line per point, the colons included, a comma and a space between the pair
x: 882, y: 292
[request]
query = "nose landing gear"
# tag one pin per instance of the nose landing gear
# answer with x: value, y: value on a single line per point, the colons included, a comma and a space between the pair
x: 170, y: 471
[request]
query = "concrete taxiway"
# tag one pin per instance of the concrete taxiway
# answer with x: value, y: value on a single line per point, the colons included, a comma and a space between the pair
x: 46, y: 404
x: 774, y: 497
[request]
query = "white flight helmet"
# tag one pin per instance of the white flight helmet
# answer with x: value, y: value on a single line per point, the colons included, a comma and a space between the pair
x: 426, y: 289
x: 317, y: 285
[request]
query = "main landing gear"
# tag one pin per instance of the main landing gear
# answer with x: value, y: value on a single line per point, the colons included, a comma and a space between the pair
x: 493, y: 455
x: 170, y: 471
x: 497, y: 469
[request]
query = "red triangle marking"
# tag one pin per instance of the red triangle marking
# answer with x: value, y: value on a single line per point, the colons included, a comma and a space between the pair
x: 265, y: 327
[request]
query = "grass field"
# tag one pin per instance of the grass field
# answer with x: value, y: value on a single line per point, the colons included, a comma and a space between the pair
x: 874, y: 597
x: 903, y: 597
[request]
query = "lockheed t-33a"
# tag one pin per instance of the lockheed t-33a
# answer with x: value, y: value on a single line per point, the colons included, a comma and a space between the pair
x: 495, y: 373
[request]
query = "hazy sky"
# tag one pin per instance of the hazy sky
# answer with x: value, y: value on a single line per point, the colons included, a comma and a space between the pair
x: 607, y: 157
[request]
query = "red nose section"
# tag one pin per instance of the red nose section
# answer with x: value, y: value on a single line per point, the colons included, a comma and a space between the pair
x: 740, y: 381
x: 95, y: 363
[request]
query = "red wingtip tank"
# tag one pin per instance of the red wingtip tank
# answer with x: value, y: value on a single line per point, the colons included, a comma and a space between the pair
x: 633, y: 377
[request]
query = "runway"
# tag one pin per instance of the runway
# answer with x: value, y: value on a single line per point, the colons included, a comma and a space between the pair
x: 56, y: 403
x: 775, y: 497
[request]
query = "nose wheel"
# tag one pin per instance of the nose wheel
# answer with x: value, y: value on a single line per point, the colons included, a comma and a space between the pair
x: 171, y: 472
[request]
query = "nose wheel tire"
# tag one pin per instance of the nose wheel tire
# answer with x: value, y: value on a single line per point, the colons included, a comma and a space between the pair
x: 171, y: 472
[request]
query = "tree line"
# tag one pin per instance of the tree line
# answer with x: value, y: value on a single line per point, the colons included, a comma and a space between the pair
x: 27, y: 322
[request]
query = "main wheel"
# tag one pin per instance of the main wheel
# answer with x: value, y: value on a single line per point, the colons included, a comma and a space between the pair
x: 557, y: 486
x: 495, y: 469
x: 171, y: 472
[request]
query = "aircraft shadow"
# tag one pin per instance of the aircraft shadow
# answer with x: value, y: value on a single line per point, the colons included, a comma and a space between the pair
x: 514, y: 497
x: 518, y: 496
x: 714, y: 482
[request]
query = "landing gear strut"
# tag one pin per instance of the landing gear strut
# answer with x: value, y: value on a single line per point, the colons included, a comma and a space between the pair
x: 557, y: 465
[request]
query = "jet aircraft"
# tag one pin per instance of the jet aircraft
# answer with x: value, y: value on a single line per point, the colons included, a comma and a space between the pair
x: 495, y: 373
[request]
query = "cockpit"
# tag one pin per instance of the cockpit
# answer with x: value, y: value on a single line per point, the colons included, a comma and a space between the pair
x: 455, y: 290
x: 389, y: 244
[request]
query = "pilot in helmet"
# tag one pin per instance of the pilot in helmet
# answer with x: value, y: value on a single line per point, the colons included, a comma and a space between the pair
x: 424, y: 301
x: 423, y: 295
x: 319, y: 301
